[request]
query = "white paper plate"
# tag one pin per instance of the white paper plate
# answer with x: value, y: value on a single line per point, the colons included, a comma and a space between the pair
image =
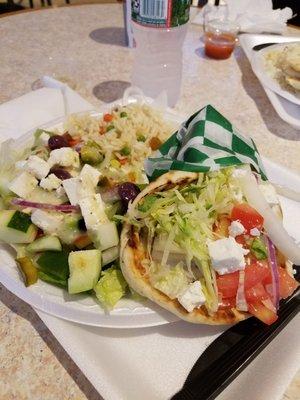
x: 259, y: 67
x: 287, y: 110
x: 82, y: 308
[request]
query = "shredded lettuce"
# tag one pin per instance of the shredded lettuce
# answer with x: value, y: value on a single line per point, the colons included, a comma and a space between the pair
x: 186, y: 215
x: 111, y: 287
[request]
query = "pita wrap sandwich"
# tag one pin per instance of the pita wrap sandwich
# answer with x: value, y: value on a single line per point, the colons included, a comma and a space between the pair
x: 209, y: 247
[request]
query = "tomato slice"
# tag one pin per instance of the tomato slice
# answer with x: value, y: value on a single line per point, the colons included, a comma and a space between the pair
x: 228, y: 284
x: 256, y: 293
x: 261, y: 312
x: 287, y: 284
x: 258, y: 271
x: 247, y: 215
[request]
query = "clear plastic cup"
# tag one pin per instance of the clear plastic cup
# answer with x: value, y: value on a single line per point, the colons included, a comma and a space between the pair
x: 220, y: 38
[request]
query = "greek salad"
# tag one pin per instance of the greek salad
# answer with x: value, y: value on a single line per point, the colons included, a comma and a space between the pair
x: 59, y: 197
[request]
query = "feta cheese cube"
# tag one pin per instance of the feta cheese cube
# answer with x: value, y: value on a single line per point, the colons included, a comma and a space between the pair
x: 269, y: 193
x: 226, y: 255
x: 65, y: 157
x: 92, y: 209
x: 236, y: 228
x: 52, y: 182
x: 71, y: 188
x: 37, y: 167
x: 44, y: 137
x: 90, y: 175
x: 192, y: 297
x: 23, y: 184
x: 48, y: 222
x: 82, y: 186
x: 254, y: 232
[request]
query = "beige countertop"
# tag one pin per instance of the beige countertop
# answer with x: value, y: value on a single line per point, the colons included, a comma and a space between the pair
x: 84, y: 46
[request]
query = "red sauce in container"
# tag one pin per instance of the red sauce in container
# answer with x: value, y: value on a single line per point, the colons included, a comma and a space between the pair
x: 219, y: 46
x: 220, y: 38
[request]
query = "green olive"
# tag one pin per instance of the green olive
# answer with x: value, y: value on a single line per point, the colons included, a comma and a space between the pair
x: 91, y: 154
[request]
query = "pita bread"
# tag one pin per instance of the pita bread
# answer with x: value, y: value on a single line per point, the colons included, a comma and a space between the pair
x: 133, y: 252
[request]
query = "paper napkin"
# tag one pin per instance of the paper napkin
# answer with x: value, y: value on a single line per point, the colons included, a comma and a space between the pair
x: 252, y: 16
x: 206, y: 141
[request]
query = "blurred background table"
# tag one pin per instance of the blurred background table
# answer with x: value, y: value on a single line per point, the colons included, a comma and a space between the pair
x: 85, y: 47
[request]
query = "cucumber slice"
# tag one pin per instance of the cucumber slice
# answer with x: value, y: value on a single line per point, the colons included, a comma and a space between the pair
x: 51, y: 279
x: 85, y: 268
x: 15, y: 227
x: 55, y: 264
x: 106, y: 236
x: 50, y: 243
x: 110, y: 255
x: 20, y: 221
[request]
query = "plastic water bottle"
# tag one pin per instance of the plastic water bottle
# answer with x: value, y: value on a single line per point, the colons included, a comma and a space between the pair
x: 159, y: 28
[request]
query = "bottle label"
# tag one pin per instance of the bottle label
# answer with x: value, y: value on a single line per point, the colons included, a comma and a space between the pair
x: 160, y: 13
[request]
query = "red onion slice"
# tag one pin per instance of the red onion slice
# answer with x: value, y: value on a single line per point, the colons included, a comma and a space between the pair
x: 44, y: 206
x: 274, y: 271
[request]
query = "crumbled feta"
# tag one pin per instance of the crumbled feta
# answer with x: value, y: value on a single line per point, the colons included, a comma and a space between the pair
x: 37, y: 167
x: 192, y: 297
x: 90, y: 175
x: 93, y: 212
x: 236, y: 228
x: 226, y: 255
x: 71, y: 188
x: 65, y: 157
x: 269, y: 193
x: 23, y: 184
x: 254, y: 232
x: 44, y: 137
x: 52, y: 182
x: 48, y: 222
x: 60, y: 191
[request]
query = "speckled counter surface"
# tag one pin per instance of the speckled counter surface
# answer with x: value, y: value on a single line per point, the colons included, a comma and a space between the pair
x: 84, y: 46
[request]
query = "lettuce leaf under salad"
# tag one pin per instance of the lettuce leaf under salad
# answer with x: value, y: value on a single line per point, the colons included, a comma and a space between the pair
x: 185, y: 219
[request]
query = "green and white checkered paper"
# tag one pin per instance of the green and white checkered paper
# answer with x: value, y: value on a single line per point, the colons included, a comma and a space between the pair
x: 207, y: 141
